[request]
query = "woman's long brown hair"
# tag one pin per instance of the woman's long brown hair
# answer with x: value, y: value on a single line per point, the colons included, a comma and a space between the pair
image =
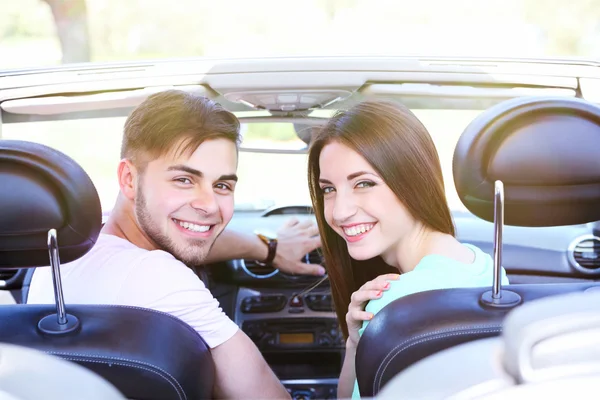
x: 397, y: 145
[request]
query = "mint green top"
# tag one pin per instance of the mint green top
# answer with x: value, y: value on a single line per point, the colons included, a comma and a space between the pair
x: 435, y: 272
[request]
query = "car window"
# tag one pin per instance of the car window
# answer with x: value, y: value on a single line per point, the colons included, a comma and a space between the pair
x: 267, y: 179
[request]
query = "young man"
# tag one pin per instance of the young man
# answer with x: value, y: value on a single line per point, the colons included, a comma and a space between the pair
x: 177, y: 178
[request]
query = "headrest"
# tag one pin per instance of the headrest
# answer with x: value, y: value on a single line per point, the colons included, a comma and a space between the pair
x: 43, y: 189
x: 545, y: 150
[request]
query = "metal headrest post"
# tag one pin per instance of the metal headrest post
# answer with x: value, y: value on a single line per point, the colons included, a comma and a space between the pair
x: 61, y: 322
x: 56, y: 280
x: 498, y: 229
x: 498, y: 297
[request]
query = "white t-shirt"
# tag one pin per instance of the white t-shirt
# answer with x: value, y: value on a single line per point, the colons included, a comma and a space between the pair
x: 115, y: 271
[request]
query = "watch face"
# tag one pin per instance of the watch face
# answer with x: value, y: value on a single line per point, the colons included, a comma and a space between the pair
x: 266, y: 233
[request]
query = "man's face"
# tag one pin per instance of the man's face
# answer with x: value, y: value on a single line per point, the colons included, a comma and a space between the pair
x: 183, y: 203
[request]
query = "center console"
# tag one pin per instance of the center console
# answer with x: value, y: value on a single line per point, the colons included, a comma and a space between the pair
x: 298, y: 336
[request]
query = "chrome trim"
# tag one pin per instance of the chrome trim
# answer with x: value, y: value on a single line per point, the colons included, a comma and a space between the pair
x: 55, y: 265
x: 324, y: 381
x: 252, y: 274
x: 498, y: 227
x: 571, y: 254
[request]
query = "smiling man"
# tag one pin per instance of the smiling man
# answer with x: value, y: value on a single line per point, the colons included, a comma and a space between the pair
x: 177, y: 177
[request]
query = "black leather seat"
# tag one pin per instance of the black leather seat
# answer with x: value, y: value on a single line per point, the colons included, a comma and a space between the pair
x: 549, y: 348
x: 546, y: 153
x: 145, y: 354
x: 417, y: 326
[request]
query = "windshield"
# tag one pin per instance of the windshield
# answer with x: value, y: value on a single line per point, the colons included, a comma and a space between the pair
x: 267, y: 179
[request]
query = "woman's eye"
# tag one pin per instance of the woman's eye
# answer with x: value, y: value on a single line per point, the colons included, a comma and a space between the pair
x: 327, y: 189
x: 365, y: 184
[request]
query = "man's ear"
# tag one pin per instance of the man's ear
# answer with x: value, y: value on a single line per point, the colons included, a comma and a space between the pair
x: 128, y: 174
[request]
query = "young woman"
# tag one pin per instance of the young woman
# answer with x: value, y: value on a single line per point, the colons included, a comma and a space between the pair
x: 377, y: 189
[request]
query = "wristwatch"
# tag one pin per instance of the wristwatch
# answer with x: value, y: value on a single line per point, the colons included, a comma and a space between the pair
x: 270, y: 239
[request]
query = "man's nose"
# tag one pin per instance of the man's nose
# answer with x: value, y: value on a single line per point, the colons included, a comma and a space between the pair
x: 344, y: 207
x: 205, y: 201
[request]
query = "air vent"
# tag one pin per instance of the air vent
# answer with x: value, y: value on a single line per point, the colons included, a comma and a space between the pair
x: 259, y: 271
x: 584, y: 254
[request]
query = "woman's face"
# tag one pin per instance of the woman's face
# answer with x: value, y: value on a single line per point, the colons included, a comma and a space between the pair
x: 359, y: 206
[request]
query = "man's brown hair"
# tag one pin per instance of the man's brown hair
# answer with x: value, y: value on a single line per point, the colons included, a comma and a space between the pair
x: 175, y: 118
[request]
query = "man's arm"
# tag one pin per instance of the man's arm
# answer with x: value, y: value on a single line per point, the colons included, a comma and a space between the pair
x: 242, y: 372
x: 233, y: 244
x: 294, y: 240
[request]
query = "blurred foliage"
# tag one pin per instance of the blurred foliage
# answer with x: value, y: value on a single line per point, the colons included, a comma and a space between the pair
x: 269, y: 131
x: 142, y: 29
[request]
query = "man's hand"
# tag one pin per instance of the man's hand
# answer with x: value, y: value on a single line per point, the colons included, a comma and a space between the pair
x: 294, y: 240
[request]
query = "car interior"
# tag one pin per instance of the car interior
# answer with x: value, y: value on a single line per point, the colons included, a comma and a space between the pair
x: 518, y: 140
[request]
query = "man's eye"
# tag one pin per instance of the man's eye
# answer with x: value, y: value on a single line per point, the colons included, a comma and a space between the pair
x: 185, y: 181
x: 223, y: 186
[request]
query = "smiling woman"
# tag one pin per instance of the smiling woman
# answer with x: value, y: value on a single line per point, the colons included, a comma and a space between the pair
x: 387, y: 231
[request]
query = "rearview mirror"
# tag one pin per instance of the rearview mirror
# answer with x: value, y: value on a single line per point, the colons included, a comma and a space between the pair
x: 276, y: 136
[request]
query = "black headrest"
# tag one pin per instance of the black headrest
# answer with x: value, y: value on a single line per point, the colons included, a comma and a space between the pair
x: 43, y: 189
x: 545, y: 150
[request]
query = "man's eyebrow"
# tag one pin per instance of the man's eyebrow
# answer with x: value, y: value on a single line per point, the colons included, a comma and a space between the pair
x: 185, y: 168
x: 199, y: 174
x: 231, y: 177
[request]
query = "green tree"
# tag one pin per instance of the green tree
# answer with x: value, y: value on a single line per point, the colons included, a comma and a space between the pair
x: 565, y: 26
x: 70, y: 18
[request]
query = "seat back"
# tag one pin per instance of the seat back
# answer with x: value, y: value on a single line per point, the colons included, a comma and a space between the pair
x: 414, y: 327
x: 54, y: 378
x: 50, y: 214
x: 527, y: 162
x: 547, y: 346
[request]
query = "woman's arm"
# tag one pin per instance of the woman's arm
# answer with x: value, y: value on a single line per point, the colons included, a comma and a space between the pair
x: 348, y: 375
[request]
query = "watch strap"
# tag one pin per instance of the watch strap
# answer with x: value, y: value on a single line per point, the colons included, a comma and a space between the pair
x: 272, y: 249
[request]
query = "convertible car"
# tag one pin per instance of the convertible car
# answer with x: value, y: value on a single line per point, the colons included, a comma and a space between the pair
x: 519, y: 142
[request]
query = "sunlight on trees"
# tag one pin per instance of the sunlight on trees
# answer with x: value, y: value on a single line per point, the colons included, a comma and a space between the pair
x: 31, y: 34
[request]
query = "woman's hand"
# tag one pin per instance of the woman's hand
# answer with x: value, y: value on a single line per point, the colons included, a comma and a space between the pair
x: 356, y: 310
